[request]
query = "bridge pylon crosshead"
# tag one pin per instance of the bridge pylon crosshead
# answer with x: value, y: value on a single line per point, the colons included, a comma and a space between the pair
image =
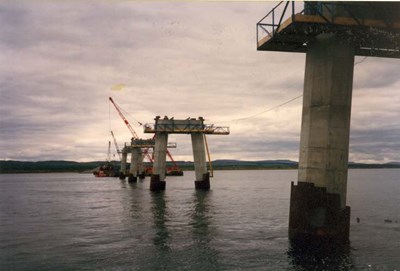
x: 197, y: 129
x: 331, y: 34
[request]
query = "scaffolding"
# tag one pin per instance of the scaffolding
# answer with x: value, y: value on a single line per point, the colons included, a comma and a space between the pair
x: 188, y: 126
x: 290, y: 26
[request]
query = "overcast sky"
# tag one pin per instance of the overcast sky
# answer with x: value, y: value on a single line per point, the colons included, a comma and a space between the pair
x: 60, y: 61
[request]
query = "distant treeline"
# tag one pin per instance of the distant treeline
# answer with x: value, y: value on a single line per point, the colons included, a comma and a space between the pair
x: 71, y: 166
x: 46, y: 166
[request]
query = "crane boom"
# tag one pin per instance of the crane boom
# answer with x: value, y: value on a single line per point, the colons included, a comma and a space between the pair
x: 116, y: 145
x: 135, y: 136
x: 175, y: 167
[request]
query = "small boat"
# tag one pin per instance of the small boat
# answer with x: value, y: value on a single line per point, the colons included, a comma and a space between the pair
x: 174, y: 172
x: 108, y: 169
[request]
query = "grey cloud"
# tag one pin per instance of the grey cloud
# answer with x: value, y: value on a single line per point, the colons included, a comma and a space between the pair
x: 366, y: 143
x: 372, y: 74
x: 176, y: 58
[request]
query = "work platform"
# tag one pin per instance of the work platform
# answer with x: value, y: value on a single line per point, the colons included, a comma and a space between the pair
x: 291, y: 26
x: 144, y: 143
x: 188, y: 126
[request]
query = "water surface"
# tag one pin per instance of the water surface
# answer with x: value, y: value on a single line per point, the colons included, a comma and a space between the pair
x: 79, y: 222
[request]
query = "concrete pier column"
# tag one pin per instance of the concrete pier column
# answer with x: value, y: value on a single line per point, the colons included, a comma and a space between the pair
x: 157, y: 182
x: 141, y: 174
x: 123, y: 166
x: 200, y: 163
x: 318, y: 202
x: 134, y: 165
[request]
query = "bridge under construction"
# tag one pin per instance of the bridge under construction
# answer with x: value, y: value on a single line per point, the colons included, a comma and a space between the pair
x: 139, y: 149
x: 158, y: 146
x: 198, y: 131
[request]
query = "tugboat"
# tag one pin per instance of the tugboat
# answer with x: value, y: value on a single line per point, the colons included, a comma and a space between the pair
x: 108, y: 169
x: 174, y: 171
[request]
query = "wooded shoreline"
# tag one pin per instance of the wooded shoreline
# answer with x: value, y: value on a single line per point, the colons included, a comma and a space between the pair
x: 12, y: 166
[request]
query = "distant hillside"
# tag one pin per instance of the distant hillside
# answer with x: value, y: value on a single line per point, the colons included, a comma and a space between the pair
x: 46, y: 166
x: 263, y: 164
x: 71, y: 166
x: 385, y: 165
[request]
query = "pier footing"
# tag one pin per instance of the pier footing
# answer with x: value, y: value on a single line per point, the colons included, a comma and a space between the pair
x: 155, y: 184
x: 315, y: 215
x: 132, y: 179
x: 204, y: 184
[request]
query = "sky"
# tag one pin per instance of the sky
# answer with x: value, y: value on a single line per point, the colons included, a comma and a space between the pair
x: 62, y: 59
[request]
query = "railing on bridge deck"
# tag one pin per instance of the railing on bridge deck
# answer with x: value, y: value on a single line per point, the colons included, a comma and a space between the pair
x: 145, y: 143
x: 186, y: 128
x: 290, y: 25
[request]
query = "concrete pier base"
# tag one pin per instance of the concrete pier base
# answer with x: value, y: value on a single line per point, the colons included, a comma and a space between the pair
x: 123, y: 166
x: 156, y: 185
x: 203, y: 184
x: 157, y: 182
x: 135, y: 160
x: 141, y: 173
x: 200, y: 167
x: 132, y: 178
x: 316, y: 215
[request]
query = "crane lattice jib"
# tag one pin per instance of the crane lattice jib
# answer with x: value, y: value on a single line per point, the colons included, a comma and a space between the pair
x: 116, y: 146
x: 135, y: 136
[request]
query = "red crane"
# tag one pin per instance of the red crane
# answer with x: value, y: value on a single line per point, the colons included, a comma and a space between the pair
x: 116, y: 145
x: 135, y: 136
x: 174, y: 170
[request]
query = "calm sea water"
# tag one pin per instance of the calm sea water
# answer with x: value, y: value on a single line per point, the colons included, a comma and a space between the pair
x: 79, y: 222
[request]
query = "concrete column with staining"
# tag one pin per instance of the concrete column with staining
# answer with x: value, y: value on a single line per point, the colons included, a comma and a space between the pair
x: 200, y: 163
x: 157, y: 182
x: 330, y: 34
x: 318, y: 202
x: 133, y: 171
x: 141, y: 173
x: 123, y: 165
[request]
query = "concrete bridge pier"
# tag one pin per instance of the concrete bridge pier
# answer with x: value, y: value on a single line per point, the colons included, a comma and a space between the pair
x: 133, y: 170
x: 200, y: 164
x: 123, y: 166
x: 141, y: 173
x: 318, y: 208
x: 157, y: 182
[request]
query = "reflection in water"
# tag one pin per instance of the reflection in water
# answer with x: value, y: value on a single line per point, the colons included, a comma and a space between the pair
x: 136, y: 209
x: 203, y: 231
x: 200, y: 220
x: 320, y: 256
x: 158, y: 209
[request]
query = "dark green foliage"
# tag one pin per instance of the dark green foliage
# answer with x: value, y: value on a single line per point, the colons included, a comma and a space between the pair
x: 71, y: 166
x: 46, y: 166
